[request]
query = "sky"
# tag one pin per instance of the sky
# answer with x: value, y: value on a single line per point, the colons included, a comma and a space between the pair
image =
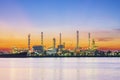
x: 101, y: 18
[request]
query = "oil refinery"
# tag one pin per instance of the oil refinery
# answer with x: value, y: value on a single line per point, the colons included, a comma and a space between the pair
x: 60, y: 50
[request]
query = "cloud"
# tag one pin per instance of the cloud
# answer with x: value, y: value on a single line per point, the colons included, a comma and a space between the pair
x: 102, y: 31
x: 117, y: 30
x: 105, y: 39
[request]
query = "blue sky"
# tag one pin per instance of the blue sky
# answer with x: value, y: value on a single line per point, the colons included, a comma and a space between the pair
x: 73, y: 13
x: 80, y: 14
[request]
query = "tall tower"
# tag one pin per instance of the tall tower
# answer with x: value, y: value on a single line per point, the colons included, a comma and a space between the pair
x: 54, y: 42
x: 77, y: 44
x: 28, y: 41
x: 60, y: 39
x: 89, y: 40
x: 64, y: 44
x: 93, y: 44
x: 42, y: 38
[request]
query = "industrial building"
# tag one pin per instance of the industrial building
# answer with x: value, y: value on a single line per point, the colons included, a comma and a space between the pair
x: 60, y: 46
x: 39, y: 48
x: 60, y: 49
x: 52, y: 50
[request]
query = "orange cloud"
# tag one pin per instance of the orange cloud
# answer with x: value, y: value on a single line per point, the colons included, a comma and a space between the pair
x: 105, y: 39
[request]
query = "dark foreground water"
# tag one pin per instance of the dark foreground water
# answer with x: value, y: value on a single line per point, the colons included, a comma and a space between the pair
x: 59, y: 68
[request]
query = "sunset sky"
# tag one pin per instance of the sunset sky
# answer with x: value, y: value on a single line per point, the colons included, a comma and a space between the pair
x: 101, y: 18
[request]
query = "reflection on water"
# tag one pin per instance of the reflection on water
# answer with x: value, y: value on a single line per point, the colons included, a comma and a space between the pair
x: 59, y: 69
x: 78, y: 72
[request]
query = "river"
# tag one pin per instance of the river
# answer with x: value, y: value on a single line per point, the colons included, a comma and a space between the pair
x: 59, y: 68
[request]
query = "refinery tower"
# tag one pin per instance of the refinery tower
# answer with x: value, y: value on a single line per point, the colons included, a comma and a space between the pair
x: 77, y: 44
x: 29, y: 42
x: 39, y: 48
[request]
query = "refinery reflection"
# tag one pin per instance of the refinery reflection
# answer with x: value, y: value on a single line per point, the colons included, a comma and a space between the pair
x: 60, y: 49
x: 59, y: 68
x: 78, y: 70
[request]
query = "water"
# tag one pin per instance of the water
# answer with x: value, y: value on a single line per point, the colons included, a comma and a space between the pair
x: 59, y: 68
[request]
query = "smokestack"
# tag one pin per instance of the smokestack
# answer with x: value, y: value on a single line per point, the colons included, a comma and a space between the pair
x: 77, y: 45
x: 64, y: 44
x: 41, y: 38
x: 29, y: 42
x: 89, y: 40
x: 54, y: 42
x: 60, y: 39
x: 93, y: 42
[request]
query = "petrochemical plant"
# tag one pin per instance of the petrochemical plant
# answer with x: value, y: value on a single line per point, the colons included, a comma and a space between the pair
x: 39, y: 50
x: 60, y: 50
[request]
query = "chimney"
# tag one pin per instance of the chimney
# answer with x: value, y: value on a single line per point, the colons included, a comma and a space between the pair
x: 89, y: 40
x: 60, y: 39
x: 28, y: 41
x: 41, y: 38
x: 77, y: 44
x: 54, y: 42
